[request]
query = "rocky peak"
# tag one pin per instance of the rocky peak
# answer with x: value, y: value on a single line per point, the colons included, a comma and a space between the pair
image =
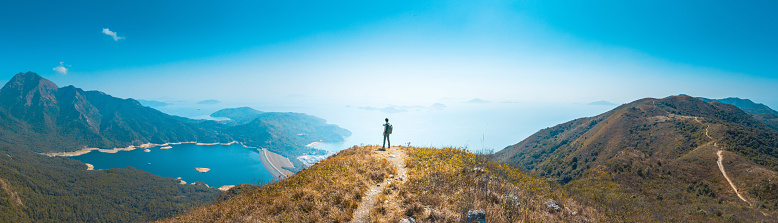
x: 28, y: 89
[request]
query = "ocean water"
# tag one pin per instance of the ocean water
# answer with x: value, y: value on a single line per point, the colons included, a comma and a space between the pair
x: 230, y: 165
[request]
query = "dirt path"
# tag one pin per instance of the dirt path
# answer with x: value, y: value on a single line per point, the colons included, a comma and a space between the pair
x: 395, y: 156
x: 721, y: 167
x: 720, y: 163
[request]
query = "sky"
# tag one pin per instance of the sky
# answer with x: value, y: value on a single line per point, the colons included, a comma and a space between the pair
x: 379, y: 53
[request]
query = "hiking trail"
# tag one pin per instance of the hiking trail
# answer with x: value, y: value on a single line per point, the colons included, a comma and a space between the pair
x: 720, y: 163
x: 396, y: 157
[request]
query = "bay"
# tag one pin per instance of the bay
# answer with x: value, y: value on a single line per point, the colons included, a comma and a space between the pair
x: 229, y: 164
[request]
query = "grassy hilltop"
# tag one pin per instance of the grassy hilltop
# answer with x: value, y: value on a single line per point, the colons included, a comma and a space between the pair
x: 656, y: 160
x: 439, y: 185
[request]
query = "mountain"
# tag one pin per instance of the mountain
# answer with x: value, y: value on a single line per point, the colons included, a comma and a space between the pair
x: 237, y: 116
x: 288, y: 130
x: 760, y: 111
x: 657, y: 160
x: 37, y: 114
x: 153, y: 103
x: 362, y: 184
x: 303, y: 128
x: 603, y: 102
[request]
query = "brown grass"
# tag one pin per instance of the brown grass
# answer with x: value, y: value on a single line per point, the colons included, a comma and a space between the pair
x: 326, y: 192
x: 443, y: 184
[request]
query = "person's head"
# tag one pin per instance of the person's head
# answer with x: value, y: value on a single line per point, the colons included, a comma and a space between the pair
x: 386, y: 119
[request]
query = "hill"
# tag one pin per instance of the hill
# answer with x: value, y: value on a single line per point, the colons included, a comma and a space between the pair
x: 306, y: 128
x: 657, y: 159
x: 426, y: 184
x: 285, y: 133
x: 237, y: 116
x: 759, y: 111
x: 37, y: 188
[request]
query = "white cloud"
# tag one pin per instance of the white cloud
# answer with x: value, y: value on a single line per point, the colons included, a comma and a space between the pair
x: 107, y: 31
x: 61, y: 68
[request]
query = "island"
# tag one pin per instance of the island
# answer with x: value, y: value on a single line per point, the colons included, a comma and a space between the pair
x: 202, y: 170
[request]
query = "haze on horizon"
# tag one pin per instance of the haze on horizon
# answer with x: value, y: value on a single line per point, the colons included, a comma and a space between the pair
x: 400, y: 53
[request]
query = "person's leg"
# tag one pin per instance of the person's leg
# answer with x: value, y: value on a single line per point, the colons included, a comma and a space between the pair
x: 389, y: 142
x: 384, y: 145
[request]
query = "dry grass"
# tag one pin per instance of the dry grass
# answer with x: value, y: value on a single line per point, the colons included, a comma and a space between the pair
x: 326, y: 192
x: 443, y: 184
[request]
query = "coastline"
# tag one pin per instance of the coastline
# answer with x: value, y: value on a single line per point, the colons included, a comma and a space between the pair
x: 274, y: 163
x: 133, y: 147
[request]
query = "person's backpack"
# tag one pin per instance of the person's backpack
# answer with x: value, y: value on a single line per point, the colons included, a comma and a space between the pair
x: 388, y: 128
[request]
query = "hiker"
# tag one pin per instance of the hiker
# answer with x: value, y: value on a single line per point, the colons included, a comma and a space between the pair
x: 387, y: 131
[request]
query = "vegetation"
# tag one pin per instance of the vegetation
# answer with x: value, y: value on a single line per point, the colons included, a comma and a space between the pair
x: 441, y: 185
x: 55, y: 189
x: 653, y: 159
x: 37, y: 116
x: 326, y: 192
x: 759, y: 111
x: 237, y: 116
x: 444, y: 184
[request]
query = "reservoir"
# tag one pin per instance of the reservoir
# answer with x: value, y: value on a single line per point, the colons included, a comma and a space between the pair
x: 228, y: 164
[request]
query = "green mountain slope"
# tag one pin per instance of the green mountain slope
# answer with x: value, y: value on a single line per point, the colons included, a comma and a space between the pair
x: 285, y: 133
x: 36, y: 114
x: 56, y: 189
x: 653, y: 159
x: 305, y: 128
x: 237, y: 116
x: 759, y: 111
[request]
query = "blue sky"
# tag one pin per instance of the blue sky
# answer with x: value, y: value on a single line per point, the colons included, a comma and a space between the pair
x: 398, y: 52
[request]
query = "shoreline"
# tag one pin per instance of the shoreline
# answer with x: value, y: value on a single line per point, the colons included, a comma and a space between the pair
x: 142, y: 146
x: 274, y: 163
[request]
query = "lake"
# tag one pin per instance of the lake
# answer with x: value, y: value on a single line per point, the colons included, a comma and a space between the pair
x: 230, y: 165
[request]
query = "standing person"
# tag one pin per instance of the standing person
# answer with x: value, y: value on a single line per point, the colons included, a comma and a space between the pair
x: 387, y: 131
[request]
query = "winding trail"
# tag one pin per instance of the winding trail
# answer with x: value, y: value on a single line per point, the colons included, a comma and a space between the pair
x: 721, y: 167
x: 396, y: 157
x: 720, y: 163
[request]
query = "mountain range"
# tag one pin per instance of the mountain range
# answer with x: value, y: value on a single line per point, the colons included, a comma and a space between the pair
x: 759, y: 111
x: 662, y: 160
x: 37, y: 116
